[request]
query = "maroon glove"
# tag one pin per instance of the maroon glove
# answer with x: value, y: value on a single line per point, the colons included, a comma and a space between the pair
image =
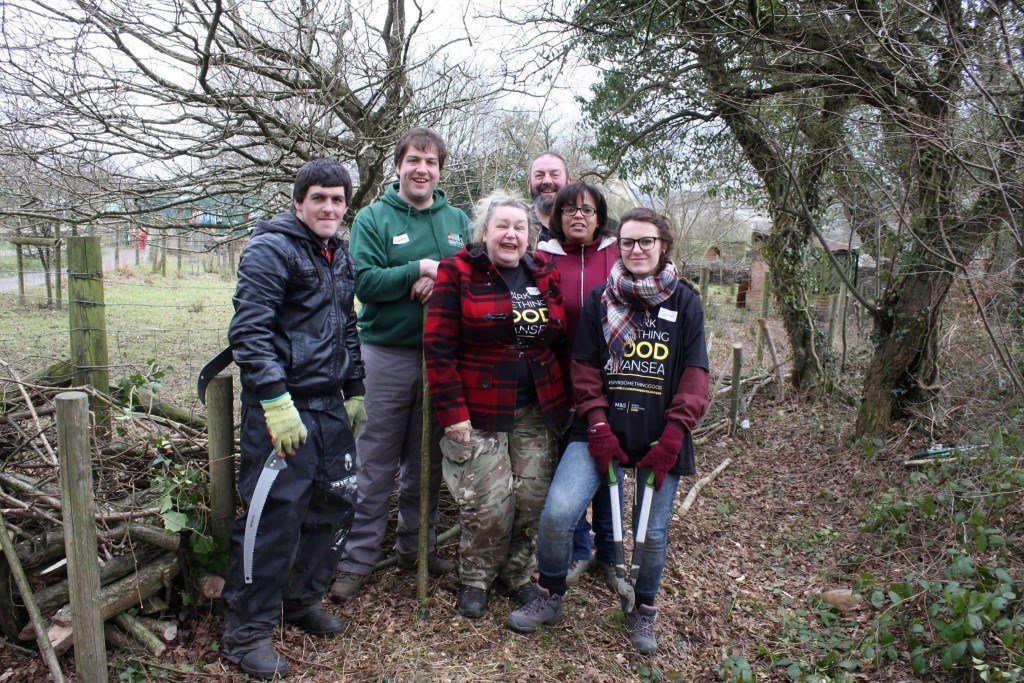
x: 664, y: 454
x: 604, y: 447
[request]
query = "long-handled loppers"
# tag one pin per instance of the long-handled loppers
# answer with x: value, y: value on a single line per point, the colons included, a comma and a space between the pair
x: 644, y: 515
x: 623, y: 588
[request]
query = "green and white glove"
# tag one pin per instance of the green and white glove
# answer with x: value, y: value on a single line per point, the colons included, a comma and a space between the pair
x: 356, y: 414
x: 284, y: 424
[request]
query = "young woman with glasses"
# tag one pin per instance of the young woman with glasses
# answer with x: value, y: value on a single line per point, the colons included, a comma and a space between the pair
x: 640, y: 385
x: 582, y: 246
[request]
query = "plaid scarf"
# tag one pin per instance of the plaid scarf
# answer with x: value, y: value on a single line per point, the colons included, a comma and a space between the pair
x: 627, y: 303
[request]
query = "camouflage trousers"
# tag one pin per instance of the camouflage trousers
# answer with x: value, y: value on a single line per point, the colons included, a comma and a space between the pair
x: 500, y: 481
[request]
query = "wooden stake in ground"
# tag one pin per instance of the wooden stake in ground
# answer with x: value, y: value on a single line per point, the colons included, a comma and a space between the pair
x: 80, y: 533
x: 88, y: 320
x: 221, y: 429
x: 737, y: 375
x: 427, y: 435
x: 780, y: 384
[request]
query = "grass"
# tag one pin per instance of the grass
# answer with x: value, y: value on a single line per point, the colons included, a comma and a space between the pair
x: 177, y: 322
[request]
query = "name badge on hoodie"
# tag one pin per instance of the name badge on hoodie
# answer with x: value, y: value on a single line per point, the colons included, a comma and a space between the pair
x: 400, y: 239
x: 455, y: 239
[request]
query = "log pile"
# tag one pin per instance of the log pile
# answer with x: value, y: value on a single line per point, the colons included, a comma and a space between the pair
x: 138, y: 557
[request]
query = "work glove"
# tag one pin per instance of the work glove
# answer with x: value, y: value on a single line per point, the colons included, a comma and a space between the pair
x: 284, y: 424
x: 356, y: 413
x: 664, y: 454
x: 604, y: 447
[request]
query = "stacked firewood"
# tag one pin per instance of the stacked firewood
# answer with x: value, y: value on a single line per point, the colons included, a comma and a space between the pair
x: 139, y: 559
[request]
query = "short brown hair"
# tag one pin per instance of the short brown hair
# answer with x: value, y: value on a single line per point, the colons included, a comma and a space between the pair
x: 644, y: 215
x: 420, y: 138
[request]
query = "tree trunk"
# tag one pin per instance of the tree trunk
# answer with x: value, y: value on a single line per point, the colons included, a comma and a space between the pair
x: 905, y: 365
x: 813, y: 364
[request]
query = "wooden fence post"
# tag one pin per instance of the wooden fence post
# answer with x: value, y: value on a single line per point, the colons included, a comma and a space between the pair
x: 179, y: 246
x: 765, y: 306
x: 220, y: 425
x: 833, y: 315
x: 21, y: 273
x: 164, y: 240
x: 58, y: 265
x: 844, y: 299
x: 737, y: 377
x: 88, y: 319
x: 705, y: 278
x: 78, y: 511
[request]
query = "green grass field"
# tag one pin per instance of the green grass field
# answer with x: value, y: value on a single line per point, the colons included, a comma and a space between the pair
x: 176, y: 323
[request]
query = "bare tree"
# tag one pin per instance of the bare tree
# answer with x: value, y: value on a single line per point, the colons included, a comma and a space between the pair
x: 204, y: 99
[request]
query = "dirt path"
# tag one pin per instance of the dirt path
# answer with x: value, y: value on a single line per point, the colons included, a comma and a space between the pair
x: 761, y: 540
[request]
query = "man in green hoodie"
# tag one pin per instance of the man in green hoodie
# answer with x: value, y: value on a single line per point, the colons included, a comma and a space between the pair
x: 397, y: 243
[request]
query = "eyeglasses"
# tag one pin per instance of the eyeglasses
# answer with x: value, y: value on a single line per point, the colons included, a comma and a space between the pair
x: 646, y: 243
x: 585, y: 210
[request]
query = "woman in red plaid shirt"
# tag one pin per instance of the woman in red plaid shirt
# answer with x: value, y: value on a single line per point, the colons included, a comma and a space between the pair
x: 497, y: 362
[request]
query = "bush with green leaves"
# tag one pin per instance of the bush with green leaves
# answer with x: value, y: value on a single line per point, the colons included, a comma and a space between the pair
x: 970, y: 616
x: 184, y: 490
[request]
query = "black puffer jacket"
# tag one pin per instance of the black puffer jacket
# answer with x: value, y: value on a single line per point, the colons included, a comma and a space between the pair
x: 294, y: 327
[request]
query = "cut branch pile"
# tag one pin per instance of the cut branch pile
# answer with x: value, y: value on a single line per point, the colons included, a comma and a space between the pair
x: 138, y: 556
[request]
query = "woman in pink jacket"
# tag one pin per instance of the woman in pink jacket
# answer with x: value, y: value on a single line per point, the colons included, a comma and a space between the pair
x: 584, y: 250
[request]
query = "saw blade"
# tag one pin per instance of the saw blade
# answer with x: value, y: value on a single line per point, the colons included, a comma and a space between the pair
x: 268, y: 474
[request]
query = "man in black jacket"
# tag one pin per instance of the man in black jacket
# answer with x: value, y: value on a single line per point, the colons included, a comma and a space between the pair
x: 294, y: 340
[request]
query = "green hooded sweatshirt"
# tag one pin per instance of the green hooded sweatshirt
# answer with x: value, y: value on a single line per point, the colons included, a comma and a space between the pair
x: 389, y: 237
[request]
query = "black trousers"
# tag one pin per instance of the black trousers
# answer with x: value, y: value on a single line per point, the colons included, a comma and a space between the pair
x: 302, y: 530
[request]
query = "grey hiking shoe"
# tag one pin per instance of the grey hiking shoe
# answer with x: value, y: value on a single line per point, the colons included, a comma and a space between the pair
x: 543, y: 608
x: 577, y: 568
x: 347, y: 585
x: 640, y: 624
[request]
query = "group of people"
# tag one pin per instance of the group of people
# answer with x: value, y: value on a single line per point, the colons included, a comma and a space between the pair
x: 549, y: 367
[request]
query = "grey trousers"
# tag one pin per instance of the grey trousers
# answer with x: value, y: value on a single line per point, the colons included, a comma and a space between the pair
x: 388, y: 445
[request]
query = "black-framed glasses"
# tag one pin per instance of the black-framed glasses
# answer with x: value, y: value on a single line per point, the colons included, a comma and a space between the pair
x: 646, y: 243
x: 568, y: 210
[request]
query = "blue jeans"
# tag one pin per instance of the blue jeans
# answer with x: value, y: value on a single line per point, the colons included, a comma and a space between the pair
x: 601, y: 511
x: 575, y: 483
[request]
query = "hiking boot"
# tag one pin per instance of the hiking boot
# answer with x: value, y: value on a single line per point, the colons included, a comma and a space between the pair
x: 263, y: 663
x: 640, y: 624
x: 347, y: 585
x: 317, y: 622
x: 523, y: 594
x: 606, y: 570
x: 543, y: 608
x: 472, y: 602
x: 577, y: 568
x: 436, y: 565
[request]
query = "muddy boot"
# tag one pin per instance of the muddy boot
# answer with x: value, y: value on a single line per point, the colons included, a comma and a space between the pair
x: 472, y: 602
x: 347, y: 585
x: 263, y: 663
x: 317, y: 622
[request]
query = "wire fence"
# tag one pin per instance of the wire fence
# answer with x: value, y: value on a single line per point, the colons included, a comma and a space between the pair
x: 160, y: 328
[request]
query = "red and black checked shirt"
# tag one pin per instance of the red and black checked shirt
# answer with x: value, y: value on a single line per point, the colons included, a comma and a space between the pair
x: 472, y: 351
